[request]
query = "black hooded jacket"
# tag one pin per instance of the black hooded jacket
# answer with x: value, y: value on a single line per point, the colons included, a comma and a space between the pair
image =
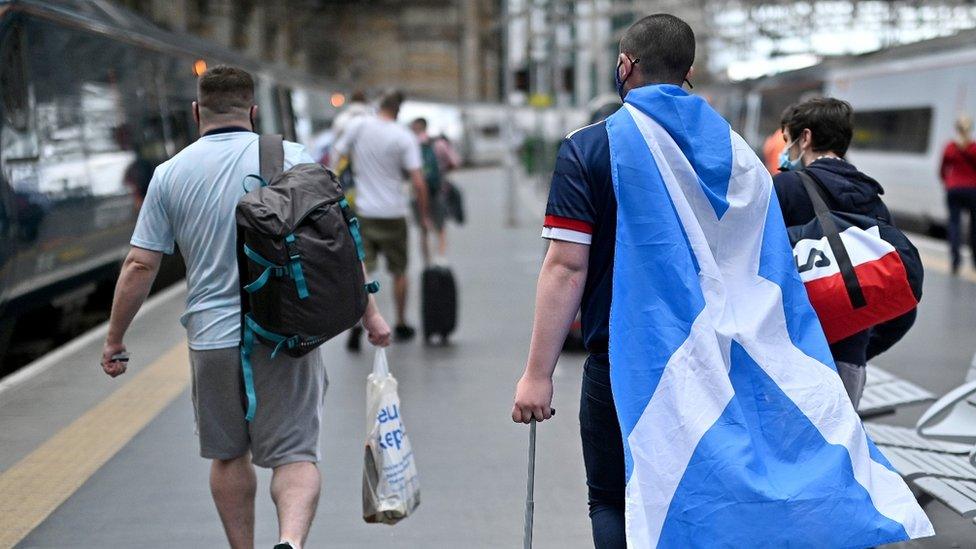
x: 846, y: 190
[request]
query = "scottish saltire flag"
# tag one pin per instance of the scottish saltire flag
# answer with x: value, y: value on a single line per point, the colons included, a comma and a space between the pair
x: 737, y: 429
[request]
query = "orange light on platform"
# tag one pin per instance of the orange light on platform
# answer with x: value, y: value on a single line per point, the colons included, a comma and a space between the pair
x: 337, y: 100
x: 199, y: 67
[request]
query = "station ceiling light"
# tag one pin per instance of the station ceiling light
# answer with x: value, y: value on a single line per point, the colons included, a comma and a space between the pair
x: 199, y: 67
x: 337, y: 100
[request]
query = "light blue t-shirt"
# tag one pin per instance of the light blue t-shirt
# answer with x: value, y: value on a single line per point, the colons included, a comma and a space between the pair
x: 191, y: 201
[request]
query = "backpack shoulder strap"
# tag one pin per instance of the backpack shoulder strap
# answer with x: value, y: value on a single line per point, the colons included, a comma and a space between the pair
x: 830, y: 230
x: 271, y: 152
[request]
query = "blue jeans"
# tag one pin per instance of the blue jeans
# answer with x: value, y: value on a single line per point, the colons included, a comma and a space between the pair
x: 603, y: 454
x: 959, y: 201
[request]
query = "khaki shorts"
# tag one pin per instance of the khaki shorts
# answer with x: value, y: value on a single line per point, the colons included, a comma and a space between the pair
x: 286, y: 425
x: 386, y: 237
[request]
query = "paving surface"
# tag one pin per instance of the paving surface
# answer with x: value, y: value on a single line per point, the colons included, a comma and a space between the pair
x: 456, y: 401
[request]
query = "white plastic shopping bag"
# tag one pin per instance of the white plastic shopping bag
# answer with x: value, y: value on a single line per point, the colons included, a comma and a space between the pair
x: 391, y: 488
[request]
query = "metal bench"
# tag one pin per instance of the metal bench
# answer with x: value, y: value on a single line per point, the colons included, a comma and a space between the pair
x: 885, y: 392
x: 953, y: 417
x: 938, y: 457
x: 958, y: 495
x: 912, y: 464
x: 906, y: 437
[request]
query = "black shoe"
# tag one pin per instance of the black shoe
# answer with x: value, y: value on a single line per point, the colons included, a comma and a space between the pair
x: 404, y: 333
x: 284, y: 545
x: 353, y: 344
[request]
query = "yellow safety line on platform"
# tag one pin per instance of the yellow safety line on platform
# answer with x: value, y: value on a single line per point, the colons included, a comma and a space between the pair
x: 36, y: 485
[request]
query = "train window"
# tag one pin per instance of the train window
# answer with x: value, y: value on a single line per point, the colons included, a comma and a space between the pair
x: 13, y: 81
x: 18, y: 140
x: 893, y: 130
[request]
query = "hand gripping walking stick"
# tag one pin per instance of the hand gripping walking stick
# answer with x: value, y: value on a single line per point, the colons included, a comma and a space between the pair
x: 530, y: 488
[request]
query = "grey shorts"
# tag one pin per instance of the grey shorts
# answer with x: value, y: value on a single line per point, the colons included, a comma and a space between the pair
x: 290, y: 393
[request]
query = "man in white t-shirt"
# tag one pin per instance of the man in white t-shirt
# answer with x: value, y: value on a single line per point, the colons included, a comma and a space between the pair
x: 191, y: 202
x: 381, y: 151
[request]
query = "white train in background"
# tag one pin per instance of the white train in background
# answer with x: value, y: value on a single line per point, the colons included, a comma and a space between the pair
x: 906, y: 100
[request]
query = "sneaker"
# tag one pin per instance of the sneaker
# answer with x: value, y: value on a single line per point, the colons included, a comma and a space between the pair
x: 283, y: 545
x: 404, y: 333
x: 353, y: 344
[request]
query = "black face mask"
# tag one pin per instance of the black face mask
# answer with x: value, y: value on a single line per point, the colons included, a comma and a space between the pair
x: 617, y: 80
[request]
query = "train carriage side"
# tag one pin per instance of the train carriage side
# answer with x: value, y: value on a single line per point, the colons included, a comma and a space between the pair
x: 905, y: 107
x: 86, y: 114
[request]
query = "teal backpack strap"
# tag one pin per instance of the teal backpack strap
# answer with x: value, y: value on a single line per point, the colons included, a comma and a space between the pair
x: 295, y: 263
x: 247, y: 346
x: 270, y: 269
x: 353, y: 222
x: 357, y: 237
x: 252, y: 329
x: 253, y: 176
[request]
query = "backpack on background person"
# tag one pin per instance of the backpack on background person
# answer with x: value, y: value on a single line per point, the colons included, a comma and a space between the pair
x: 299, y: 259
x: 859, y: 271
x: 432, y: 171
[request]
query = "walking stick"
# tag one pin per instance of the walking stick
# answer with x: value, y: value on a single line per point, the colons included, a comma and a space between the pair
x: 530, y: 488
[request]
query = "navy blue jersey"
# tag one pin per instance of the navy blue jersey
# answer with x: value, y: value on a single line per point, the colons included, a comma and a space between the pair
x: 582, y: 208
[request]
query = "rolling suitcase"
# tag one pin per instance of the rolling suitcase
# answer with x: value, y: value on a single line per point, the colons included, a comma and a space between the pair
x: 438, y: 303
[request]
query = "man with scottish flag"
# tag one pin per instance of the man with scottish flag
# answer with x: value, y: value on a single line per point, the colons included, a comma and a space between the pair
x: 711, y: 414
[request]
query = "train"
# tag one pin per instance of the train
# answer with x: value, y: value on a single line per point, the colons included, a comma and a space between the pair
x: 92, y: 99
x: 905, y: 98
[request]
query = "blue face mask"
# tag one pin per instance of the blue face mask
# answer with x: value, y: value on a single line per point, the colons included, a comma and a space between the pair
x: 785, y: 164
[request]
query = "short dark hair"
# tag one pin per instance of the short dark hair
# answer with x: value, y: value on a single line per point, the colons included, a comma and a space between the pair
x: 359, y: 96
x: 391, y: 101
x: 422, y: 122
x: 664, y: 46
x: 224, y: 89
x: 829, y: 121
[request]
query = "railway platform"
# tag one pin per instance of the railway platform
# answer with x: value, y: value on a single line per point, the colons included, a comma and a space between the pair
x: 88, y: 461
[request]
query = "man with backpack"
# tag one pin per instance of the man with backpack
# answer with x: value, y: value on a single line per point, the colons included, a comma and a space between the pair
x: 191, y: 202
x: 817, y: 134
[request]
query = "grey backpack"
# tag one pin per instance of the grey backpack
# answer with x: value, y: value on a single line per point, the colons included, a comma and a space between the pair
x: 299, y: 259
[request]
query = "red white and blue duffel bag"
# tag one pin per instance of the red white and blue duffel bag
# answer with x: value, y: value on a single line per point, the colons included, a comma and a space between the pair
x: 859, y: 271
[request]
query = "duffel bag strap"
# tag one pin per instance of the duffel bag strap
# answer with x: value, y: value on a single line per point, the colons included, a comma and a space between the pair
x: 252, y: 329
x: 830, y: 230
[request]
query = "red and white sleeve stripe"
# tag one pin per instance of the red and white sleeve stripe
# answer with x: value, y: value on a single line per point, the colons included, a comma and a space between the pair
x: 567, y: 230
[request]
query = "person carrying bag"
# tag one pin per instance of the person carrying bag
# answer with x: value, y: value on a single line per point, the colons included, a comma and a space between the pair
x: 863, y: 276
